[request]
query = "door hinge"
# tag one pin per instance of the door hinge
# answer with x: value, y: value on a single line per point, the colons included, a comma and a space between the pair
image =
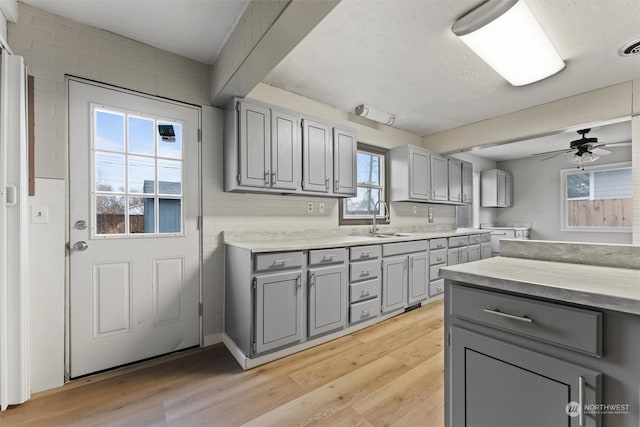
x: 449, y: 339
x: 254, y: 347
x: 199, y: 222
x: 255, y: 282
x: 199, y: 135
x: 238, y: 107
x: 238, y: 178
x: 200, y: 310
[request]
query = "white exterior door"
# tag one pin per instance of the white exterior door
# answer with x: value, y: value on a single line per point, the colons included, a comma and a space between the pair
x: 134, y: 243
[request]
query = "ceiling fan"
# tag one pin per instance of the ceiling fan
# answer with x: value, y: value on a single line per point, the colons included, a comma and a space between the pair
x: 585, y: 149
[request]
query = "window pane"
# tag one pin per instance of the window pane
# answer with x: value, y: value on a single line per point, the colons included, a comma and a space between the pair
x: 109, y: 131
x: 368, y: 168
x: 612, y: 184
x: 141, y: 136
x: 169, y: 177
x: 110, y: 214
x: 364, y: 202
x: 170, y: 215
x: 141, y: 215
x: 170, y: 146
x: 141, y: 175
x: 110, y: 172
x: 578, y: 185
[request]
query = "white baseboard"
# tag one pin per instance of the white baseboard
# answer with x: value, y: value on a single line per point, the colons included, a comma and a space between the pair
x: 212, y: 339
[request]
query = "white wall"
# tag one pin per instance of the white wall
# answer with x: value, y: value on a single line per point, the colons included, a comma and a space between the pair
x: 537, y: 198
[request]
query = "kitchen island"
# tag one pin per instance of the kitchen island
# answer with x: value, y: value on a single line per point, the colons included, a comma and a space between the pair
x: 546, y: 334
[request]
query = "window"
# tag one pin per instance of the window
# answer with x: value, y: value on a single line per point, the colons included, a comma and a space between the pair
x: 371, y: 175
x: 597, y: 198
x: 137, y: 164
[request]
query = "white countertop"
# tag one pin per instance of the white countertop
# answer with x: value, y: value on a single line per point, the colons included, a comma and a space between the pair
x: 610, y: 288
x: 304, y: 242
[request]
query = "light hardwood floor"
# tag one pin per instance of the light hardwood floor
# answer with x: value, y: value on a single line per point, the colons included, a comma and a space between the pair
x: 390, y: 374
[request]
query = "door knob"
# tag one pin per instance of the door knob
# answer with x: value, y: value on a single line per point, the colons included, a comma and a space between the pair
x: 80, y: 246
x: 80, y: 225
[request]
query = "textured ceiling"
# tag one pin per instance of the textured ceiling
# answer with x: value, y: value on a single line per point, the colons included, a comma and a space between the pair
x: 400, y: 56
x: 196, y: 29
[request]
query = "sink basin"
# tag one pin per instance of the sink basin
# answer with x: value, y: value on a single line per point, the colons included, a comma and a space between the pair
x: 387, y: 235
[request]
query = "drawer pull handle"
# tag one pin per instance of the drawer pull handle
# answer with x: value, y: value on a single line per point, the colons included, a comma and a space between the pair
x: 281, y: 261
x: 365, y: 255
x: 508, y: 316
x: 581, y: 393
x: 364, y: 273
x: 365, y: 313
x: 327, y: 258
x: 364, y: 293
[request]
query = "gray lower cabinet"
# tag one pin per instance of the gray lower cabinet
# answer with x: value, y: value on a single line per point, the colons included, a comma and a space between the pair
x: 394, y: 283
x: 418, y: 278
x: 278, y: 310
x: 485, y: 250
x: 475, y: 253
x: 494, y: 383
x: 327, y: 299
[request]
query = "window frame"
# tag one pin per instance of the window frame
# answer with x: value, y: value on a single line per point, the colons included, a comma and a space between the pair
x: 564, y: 211
x: 384, y: 179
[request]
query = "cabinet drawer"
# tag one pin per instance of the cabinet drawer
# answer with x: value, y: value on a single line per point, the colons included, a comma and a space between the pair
x: 436, y: 287
x: 438, y: 257
x: 364, y: 310
x: 486, y: 238
x: 404, y: 247
x: 455, y: 242
x: 438, y: 243
x: 327, y: 256
x: 574, y: 328
x: 434, y: 271
x: 365, y: 252
x: 278, y: 261
x: 364, y: 270
x: 475, y: 239
x: 364, y: 290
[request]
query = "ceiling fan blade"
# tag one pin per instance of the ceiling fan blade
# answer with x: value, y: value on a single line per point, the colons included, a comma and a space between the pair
x: 617, y: 144
x: 553, y: 152
x: 600, y: 151
x: 554, y: 155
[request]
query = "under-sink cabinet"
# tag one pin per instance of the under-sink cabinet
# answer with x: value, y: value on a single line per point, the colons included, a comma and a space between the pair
x: 405, y: 274
x: 327, y: 288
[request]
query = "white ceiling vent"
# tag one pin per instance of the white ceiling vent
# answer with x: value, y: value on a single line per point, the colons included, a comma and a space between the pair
x: 630, y: 49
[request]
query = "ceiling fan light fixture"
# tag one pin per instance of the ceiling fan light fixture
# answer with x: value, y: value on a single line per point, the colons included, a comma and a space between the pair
x: 586, y: 157
x: 506, y: 35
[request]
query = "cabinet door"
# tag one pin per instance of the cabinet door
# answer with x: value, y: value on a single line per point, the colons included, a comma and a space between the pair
x: 508, y: 190
x: 394, y: 283
x: 463, y: 255
x: 453, y: 257
x: 254, y: 145
x: 475, y: 253
x: 497, y: 384
x: 502, y: 188
x: 419, y: 174
x: 418, y: 277
x: 485, y: 250
x: 455, y: 180
x: 285, y: 151
x: 439, y: 178
x: 316, y: 156
x: 327, y: 299
x: 467, y: 182
x: 278, y: 310
x: 345, y: 149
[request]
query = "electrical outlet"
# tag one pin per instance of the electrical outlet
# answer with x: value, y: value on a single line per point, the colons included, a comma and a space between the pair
x: 309, y: 207
x: 430, y: 213
x: 321, y: 207
x: 415, y: 209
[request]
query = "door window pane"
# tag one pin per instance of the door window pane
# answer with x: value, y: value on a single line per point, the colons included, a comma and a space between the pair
x: 170, y: 146
x: 141, y: 215
x: 110, y: 172
x: 142, y: 175
x: 110, y: 215
x: 109, y: 131
x: 170, y: 215
x: 141, y: 136
x: 169, y: 177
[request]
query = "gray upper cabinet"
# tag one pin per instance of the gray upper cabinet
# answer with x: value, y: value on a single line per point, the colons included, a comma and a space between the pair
x: 316, y: 155
x: 327, y: 299
x: 278, y: 310
x: 455, y: 180
x: 345, y: 149
x: 439, y: 178
x: 496, y: 188
x: 418, y: 277
x: 467, y: 182
x: 419, y: 174
x: 254, y: 145
x: 394, y: 283
x: 285, y: 151
x: 268, y: 149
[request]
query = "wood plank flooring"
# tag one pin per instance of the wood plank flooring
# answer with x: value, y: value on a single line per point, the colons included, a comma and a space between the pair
x: 390, y: 374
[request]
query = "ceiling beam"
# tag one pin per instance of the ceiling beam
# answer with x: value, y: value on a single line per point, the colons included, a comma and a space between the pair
x: 264, y: 35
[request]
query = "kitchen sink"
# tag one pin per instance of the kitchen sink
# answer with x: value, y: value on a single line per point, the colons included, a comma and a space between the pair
x: 387, y: 235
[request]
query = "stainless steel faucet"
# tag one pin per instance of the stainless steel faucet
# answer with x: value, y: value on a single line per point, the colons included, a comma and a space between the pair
x: 376, y: 208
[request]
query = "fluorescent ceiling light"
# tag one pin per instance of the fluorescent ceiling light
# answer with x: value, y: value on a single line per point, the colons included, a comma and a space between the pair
x: 375, y: 115
x: 506, y: 35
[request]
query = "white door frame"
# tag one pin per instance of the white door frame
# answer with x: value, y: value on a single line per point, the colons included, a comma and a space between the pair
x: 68, y: 78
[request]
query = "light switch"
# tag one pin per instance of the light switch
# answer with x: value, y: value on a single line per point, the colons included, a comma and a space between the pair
x: 39, y: 214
